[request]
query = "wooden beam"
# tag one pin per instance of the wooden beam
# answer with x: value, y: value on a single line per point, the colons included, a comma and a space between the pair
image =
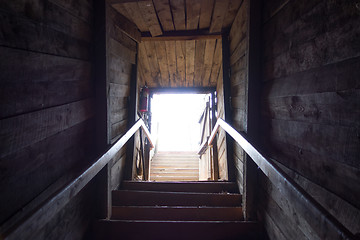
x: 181, y: 35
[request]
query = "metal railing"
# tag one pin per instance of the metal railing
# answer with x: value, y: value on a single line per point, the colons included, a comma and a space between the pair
x: 316, y: 215
x: 41, y: 216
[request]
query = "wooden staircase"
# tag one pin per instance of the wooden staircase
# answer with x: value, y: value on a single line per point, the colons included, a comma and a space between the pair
x: 174, y: 166
x: 176, y: 210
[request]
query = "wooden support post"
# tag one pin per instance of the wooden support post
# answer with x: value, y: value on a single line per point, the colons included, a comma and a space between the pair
x: 253, y: 108
x: 227, y: 104
x: 102, y: 180
x: 214, y: 147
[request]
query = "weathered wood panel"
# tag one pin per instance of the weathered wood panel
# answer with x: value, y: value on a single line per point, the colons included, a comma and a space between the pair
x: 310, y: 104
x: 47, y: 110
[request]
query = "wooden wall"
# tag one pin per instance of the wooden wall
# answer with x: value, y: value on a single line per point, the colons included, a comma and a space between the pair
x: 121, y: 58
x: 46, y: 107
x: 221, y: 137
x: 238, y: 39
x: 311, y: 111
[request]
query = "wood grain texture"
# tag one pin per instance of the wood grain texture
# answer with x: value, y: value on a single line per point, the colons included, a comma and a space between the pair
x: 220, y: 9
x: 178, y: 13
x: 164, y: 13
x: 150, y: 18
x: 206, y: 11
x: 192, y: 14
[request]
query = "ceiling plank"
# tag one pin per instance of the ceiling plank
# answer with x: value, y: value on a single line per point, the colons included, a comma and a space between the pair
x: 164, y: 13
x: 180, y: 63
x: 144, y: 62
x: 206, y: 11
x: 171, y: 59
x: 199, y: 61
x: 178, y: 12
x: 161, y: 56
x: 181, y: 36
x: 220, y: 9
x: 231, y: 13
x: 134, y: 11
x: 190, y: 62
x: 208, y: 61
x: 148, y: 12
x: 192, y: 14
x: 153, y: 62
x: 217, y: 59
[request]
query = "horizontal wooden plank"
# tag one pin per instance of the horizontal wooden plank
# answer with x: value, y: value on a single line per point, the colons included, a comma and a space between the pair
x: 291, y: 224
x: 118, y: 90
x: 121, y: 51
x: 38, y: 163
x: 82, y: 9
x: 180, y: 37
x: 144, y: 198
x: 318, y: 139
x: 25, y: 34
x: 341, y: 108
x: 25, y: 130
x: 337, y: 77
x: 239, y: 30
x: 177, y: 213
x: 116, y: 172
x: 318, y: 167
x: 116, y: 33
x: 128, y: 27
x: 305, y: 53
x: 118, y: 129
x: 43, y: 80
x: 347, y: 214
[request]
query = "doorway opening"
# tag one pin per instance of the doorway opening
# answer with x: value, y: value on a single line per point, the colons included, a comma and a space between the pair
x: 178, y: 125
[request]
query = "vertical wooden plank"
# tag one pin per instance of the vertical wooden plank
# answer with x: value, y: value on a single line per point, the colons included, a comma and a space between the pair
x: 199, y: 61
x: 178, y: 12
x: 220, y: 9
x: 164, y: 13
x: 148, y: 11
x: 144, y: 62
x: 217, y: 60
x: 192, y: 14
x: 208, y: 61
x: 171, y: 59
x: 180, y: 63
x: 133, y: 11
x: 206, y: 11
x: 227, y: 105
x: 161, y: 56
x: 153, y: 61
x: 190, y: 62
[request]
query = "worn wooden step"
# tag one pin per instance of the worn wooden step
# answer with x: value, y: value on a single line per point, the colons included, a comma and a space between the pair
x: 175, y: 169
x: 173, y: 179
x: 177, y: 213
x: 150, y: 198
x: 171, y: 173
x: 204, y: 187
x: 176, y: 230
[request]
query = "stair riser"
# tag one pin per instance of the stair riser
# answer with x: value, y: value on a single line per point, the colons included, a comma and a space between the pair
x: 177, y: 213
x: 142, y: 198
x: 201, y: 187
x: 177, y: 230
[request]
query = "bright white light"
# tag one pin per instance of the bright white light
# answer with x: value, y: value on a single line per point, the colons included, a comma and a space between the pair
x: 177, y: 116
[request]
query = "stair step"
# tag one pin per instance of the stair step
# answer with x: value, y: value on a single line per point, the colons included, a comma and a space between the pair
x: 150, y: 198
x: 177, y: 213
x: 178, y: 174
x: 204, y: 187
x: 176, y: 230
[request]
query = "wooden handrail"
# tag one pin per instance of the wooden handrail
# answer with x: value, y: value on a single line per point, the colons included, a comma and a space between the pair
x: 62, y: 197
x: 316, y: 215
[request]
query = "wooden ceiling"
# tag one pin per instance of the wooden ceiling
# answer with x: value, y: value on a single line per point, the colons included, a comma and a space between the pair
x: 178, y: 62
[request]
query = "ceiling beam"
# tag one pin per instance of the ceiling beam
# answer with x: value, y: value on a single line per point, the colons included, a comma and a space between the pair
x: 180, y: 35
